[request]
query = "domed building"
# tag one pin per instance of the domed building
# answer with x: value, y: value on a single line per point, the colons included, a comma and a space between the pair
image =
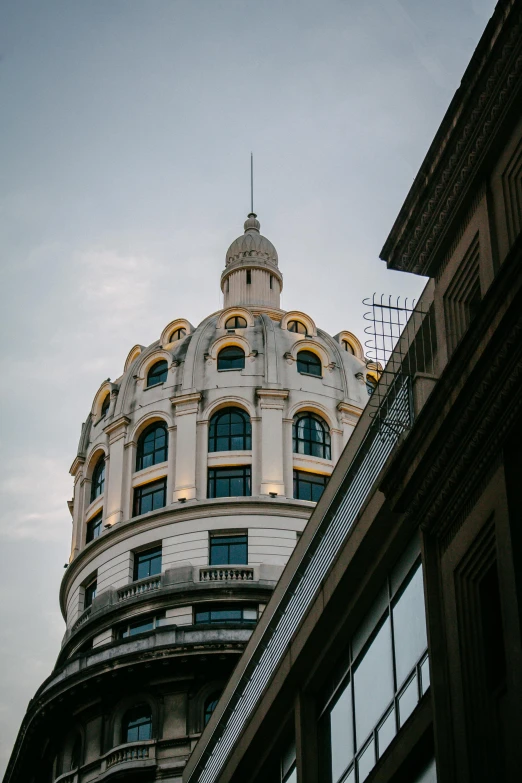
x: 196, y: 472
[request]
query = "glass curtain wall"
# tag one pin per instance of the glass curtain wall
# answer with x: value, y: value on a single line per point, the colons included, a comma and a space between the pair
x: 383, y: 678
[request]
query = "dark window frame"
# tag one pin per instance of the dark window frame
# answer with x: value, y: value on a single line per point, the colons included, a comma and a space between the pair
x: 236, y: 322
x: 231, y: 357
x: 155, y: 376
x: 348, y: 347
x: 140, y: 721
x: 89, y: 592
x: 293, y: 326
x: 304, y: 478
x: 309, y: 363
x: 144, y: 491
x: 304, y: 442
x: 130, y: 629
x: 216, y: 436
x: 212, y: 614
x: 222, y: 545
x: 94, y: 527
x: 152, y: 557
x: 243, y: 474
x: 98, y: 479
x: 159, y: 453
x: 106, y: 404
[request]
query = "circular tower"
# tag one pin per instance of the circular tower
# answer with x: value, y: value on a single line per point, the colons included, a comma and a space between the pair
x: 196, y: 471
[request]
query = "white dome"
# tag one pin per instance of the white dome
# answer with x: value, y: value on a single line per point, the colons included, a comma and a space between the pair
x: 251, y: 245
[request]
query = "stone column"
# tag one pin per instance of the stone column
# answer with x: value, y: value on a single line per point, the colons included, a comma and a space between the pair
x: 78, y: 506
x: 116, y: 432
x: 186, y: 419
x: 272, y: 403
x: 350, y: 415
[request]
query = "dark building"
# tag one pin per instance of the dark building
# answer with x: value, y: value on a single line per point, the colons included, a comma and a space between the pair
x: 391, y: 648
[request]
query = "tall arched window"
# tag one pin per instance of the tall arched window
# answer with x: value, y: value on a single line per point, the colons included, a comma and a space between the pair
x: 177, y: 334
x: 311, y: 435
x: 296, y: 326
x: 105, y: 405
x: 232, y: 357
x: 210, y: 706
x: 137, y: 724
x: 157, y: 373
x: 152, y: 446
x: 98, y: 479
x: 309, y: 363
x: 236, y: 322
x: 76, y: 753
x: 230, y: 430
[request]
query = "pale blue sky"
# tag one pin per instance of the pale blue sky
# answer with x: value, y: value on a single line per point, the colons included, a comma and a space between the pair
x: 125, y: 138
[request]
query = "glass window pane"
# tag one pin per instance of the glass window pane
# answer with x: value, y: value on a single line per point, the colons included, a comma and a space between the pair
x: 366, y: 761
x: 238, y: 554
x: 425, y: 675
x: 409, y: 625
x: 373, y: 683
x: 341, y: 733
x: 408, y: 700
x: 386, y: 731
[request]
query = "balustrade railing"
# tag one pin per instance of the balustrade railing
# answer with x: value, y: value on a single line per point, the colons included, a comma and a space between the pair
x: 226, y: 574
x: 135, y: 752
x: 82, y: 619
x: 134, y: 589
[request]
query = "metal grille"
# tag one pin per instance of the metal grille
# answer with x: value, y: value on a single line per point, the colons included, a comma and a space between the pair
x: 361, y: 475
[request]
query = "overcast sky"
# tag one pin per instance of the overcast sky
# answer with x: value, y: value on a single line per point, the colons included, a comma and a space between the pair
x: 126, y: 131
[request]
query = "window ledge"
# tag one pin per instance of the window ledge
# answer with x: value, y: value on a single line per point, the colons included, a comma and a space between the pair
x: 153, y: 472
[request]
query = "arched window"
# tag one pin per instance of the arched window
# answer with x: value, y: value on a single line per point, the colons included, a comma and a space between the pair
x: 236, y: 322
x: 231, y: 358
x: 371, y: 384
x: 309, y: 363
x: 157, y: 373
x: 348, y: 347
x: 230, y: 430
x: 105, y: 405
x: 311, y: 435
x: 296, y: 326
x: 137, y: 724
x: 177, y: 334
x: 76, y: 753
x: 152, y: 446
x: 98, y: 479
x: 210, y: 706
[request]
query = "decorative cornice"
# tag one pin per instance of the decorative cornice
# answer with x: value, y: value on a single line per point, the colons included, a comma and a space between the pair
x: 454, y: 160
x: 272, y: 398
x: 121, y: 423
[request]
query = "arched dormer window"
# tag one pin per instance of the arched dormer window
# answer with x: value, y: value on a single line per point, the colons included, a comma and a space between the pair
x: 152, y: 446
x: 137, y: 724
x: 177, y: 334
x: 309, y: 363
x: 311, y: 435
x: 105, y: 405
x: 157, y: 373
x: 210, y: 706
x: 236, y: 322
x: 232, y: 357
x: 296, y: 326
x: 348, y: 347
x: 76, y: 753
x: 371, y: 384
x: 98, y: 479
x: 230, y: 430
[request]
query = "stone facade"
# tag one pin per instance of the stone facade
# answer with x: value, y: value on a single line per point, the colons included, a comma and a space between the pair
x: 154, y: 639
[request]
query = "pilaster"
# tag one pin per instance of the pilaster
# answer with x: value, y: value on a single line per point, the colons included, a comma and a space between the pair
x: 272, y: 403
x: 116, y: 432
x: 186, y: 408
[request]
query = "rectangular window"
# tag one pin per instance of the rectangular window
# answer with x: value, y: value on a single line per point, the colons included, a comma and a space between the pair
x: 90, y: 593
x: 382, y: 680
x: 140, y: 626
x: 228, y: 550
x: 94, y: 527
x: 225, y: 614
x: 249, y: 277
x: 229, y: 482
x: 150, y: 497
x: 309, y: 486
x: 147, y: 563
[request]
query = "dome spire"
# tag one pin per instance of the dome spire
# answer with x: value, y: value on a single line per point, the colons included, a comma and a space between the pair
x: 251, y: 184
